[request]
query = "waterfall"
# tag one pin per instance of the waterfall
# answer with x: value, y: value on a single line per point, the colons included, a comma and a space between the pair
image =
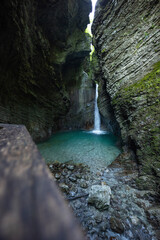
x: 97, y: 121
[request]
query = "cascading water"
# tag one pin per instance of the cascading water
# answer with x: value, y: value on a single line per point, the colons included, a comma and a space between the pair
x: 97, y: 120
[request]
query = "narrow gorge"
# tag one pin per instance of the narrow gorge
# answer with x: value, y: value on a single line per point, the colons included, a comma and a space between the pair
x: 126, y: 39
x: 91, y: 102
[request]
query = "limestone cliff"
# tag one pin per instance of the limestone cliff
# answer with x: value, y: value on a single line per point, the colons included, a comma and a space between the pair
x: 82, y: 95
x: 39, y: 39
x: 126, y: 39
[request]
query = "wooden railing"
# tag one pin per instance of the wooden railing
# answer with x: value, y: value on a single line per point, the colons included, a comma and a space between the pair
x: 31, y: 206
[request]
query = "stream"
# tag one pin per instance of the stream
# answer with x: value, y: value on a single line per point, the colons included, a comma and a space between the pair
x: 95, y: 150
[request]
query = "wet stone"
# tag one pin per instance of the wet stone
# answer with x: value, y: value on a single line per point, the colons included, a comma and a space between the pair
x: 98, y: 173
x: 78, y: 205
x: 72, y: 179
x: 78, y: 175
x: 57, y: 164
x: 83, y: 185
x: 113, y: 238
x: 64, y: 172
x: 135, y: 220
x: 98, y: 218
x: 64, y: 187
x: 69, y: 172
x: 70, y: 167
x: 158, y: 234
x: 72, y: 194
x: 73, y: 191
x: 57, y: 175
x: 116, y: 225
x: 63, y: 165
x: 102, y: 235
x: 51, y: 166
x: 86, y: 177
x: 153, y: 213
x: 103, y: 227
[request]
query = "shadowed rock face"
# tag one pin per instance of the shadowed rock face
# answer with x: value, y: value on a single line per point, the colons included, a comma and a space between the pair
x: 126, y: 39
x: 38, y: 39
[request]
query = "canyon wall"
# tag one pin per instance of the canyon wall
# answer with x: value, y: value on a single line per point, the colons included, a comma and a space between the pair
x: 127, y: 43
x: 42, y: 47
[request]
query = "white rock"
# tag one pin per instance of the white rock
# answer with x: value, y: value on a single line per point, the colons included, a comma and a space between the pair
x: 135, y: 220
x: 99, y: 196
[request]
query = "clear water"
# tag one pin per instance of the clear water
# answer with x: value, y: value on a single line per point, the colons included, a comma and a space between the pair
x: 85, y: 147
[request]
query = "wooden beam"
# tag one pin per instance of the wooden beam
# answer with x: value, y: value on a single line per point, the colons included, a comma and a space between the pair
x: 31, y: 206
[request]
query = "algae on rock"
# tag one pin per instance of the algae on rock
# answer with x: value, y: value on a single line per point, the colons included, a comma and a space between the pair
x: 126, y: 36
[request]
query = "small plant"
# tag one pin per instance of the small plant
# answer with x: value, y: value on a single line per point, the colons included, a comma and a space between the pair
x: 103, y: 50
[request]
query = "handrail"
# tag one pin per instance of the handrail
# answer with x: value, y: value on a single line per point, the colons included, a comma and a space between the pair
x: 31, y: 206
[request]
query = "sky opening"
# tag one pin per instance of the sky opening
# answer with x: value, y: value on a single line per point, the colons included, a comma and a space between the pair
x: 88, y: 29
x: 91, y: 16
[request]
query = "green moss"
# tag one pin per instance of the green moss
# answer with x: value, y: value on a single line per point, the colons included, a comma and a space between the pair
x: 103, y: 50
x: 139, y: 106
x: 139, y: 44
x: 149, y: 84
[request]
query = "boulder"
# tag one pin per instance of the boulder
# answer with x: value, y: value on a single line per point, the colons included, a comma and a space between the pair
x: 99, y: 196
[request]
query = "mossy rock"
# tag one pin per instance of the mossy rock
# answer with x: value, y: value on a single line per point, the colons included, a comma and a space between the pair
x: 138, y: 109
x: 146, y: 183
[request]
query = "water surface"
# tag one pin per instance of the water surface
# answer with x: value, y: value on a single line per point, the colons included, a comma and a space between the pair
x: 85, y: 147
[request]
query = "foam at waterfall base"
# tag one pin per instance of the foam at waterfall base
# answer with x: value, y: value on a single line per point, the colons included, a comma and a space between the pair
x: 98, y: 132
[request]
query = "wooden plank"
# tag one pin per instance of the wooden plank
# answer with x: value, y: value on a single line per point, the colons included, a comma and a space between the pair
x: 31, y: 206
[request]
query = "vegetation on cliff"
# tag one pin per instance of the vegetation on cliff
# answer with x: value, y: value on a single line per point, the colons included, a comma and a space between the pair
x: 126, y: 37
x: 142, y: 127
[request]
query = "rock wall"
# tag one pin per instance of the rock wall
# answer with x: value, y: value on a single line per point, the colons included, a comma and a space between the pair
x: 82, y: 95
x: 126, y: 39
x: 39, y: 39
x: 108, y: 120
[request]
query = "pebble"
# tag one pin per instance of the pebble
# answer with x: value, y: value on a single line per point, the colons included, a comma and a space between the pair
x: 73, y: 191
x: 102, y: 235
x: 83, y: 185
x: 98, y: 173
x: 103, y: 227
x: 64, y: 187
x: 78, y: 205
x: 113, y: 238
x: 78, y: 175
x: 57, y: 164
x: 63, y: 165
x: 72, y: 194
x: 86, y: 177
x: 64, y: 172
x: 135, y: 220
x: 51, y: 166
x: 98, y: 218
x: 116, y: 225
x: 69, y: 173
x: 70, y: 167
x: 72, y: 179
x: 57, y: 175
